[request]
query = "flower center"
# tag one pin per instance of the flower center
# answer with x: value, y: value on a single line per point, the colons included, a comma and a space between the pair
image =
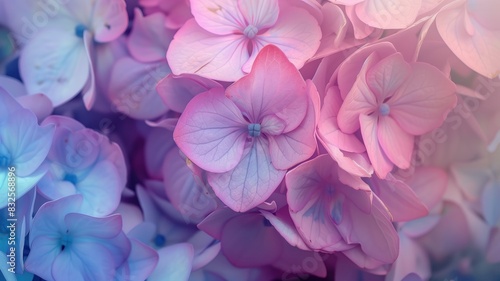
x: 254, y: 130
x: 250, y: 31
x: 4, y: 161
x: 65, y: 241
x: 384, y: 109
x: 79, y: 30
x: 160, y: 240
x: 71, y: 178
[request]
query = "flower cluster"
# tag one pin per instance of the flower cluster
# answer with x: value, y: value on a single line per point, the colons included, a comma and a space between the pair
x: 253, y: 140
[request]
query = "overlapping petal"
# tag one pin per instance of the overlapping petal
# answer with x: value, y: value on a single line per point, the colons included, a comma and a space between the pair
x: 470, y: 30
x: 212, y: 132
x: 221, y: 17
x: 424, y: 101
x: 251, y: 181
x: 195, y: 50
x: 56, y: 68
x: 273, y: 87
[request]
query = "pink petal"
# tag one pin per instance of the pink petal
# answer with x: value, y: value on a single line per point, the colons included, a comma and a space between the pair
x: 316, y: 227
x: 283, y: 223
x: 221, y: 17
x: 109, y: 19
x: 214, y: 223
x: 346, y: 2
x: 251, y: 182
x: 352, y: 65
x: 359, y: 100
x: 296, y: 33
x: 178, y: 14
x: 177, y: 90
x: 361, y: 30
x: 333, y: 28
x: 149, y: 39
x: 374, y: 232
x: 328, y: 129
x: 212, y: 132
x: 259, y: 13
x: 304, y: 182
x: 132, y: 88
x: 423, y: 102
x: 388, y: 15
x: 273, y: 87
x: 399, y: 198
x: 195, y: 50
x: 472, y: 35
x: 428, y: 6
x: 387, y: 76
x: 356, y: 164
x: 396, y: 143
x: 291, y: 148
x: 309, y: 208
x: 369, y: 130
x: 429, y: 184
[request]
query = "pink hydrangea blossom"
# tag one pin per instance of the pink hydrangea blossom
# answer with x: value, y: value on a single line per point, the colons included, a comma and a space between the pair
x: 470, y: 29
x: 390, y: 102
x: 337, y: 212
x: 248, y: 137
x: 225, y: 36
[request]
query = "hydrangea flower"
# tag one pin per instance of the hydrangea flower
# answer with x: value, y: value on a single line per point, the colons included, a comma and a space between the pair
x: 225, y: 36
x: 470, y: 29
x: 80, y: 162
x: 389, y: 103
x: 61, y: 68
x: 337, y: 212
x: 23, y: 147
x: 384, y: 14
x: 247, y: 138
x: 68, y: 245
